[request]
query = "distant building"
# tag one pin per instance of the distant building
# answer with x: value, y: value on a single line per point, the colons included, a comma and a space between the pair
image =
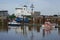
x: 3, y: 14
x: 36, y: 14
x: 21, y: 11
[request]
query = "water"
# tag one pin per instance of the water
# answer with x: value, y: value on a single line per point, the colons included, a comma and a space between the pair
x: 28, y: 33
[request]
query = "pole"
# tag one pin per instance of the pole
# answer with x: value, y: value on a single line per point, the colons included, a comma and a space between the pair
x: 32, y: 6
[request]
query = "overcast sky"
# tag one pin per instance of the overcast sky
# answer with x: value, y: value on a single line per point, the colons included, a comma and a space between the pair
x: 46, y: 7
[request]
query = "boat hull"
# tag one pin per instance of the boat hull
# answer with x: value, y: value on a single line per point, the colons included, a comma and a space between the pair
x: 14, y: 24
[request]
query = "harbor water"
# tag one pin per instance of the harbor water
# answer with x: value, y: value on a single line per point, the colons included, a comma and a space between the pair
x: 28, y: 32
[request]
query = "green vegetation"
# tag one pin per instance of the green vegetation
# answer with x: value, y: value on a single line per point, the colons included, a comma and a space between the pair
x: 29, y: 16
x: 12, y: 16
x: 0, y: 23
x: 55, y: 15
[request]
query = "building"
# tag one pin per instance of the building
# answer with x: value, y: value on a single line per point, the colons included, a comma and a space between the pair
x: 3, y: 14
x: 21, y: 11
x: 3, y: 18
x: 35, y: 14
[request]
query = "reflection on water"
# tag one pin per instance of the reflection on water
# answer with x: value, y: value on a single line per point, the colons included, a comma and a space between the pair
x: 29, y: 32
x: 59, y: 31
x: 30, y: 27
x: 43, y: 33
x: 38, y: 28
x: 46, y: 32
x: 3, y: 28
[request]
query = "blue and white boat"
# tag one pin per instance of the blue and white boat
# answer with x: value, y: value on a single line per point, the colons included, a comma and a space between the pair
x: 19, y: 20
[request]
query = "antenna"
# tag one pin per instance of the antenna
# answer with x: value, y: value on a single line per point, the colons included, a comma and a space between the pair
x: 32, y: 6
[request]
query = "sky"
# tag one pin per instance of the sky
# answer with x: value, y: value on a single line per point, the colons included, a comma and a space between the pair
x: 46, y: 7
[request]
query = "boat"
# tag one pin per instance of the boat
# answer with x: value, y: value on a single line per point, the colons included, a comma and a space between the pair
x: 13, y: 23
x: 25, y: 20
x: 48, y: 25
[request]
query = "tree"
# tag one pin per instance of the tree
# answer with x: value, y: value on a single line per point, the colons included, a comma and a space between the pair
x: 12, y: 16
x: 55, y: 15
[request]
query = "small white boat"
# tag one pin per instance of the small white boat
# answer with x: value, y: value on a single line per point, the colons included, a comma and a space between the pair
x: 13, y: 23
